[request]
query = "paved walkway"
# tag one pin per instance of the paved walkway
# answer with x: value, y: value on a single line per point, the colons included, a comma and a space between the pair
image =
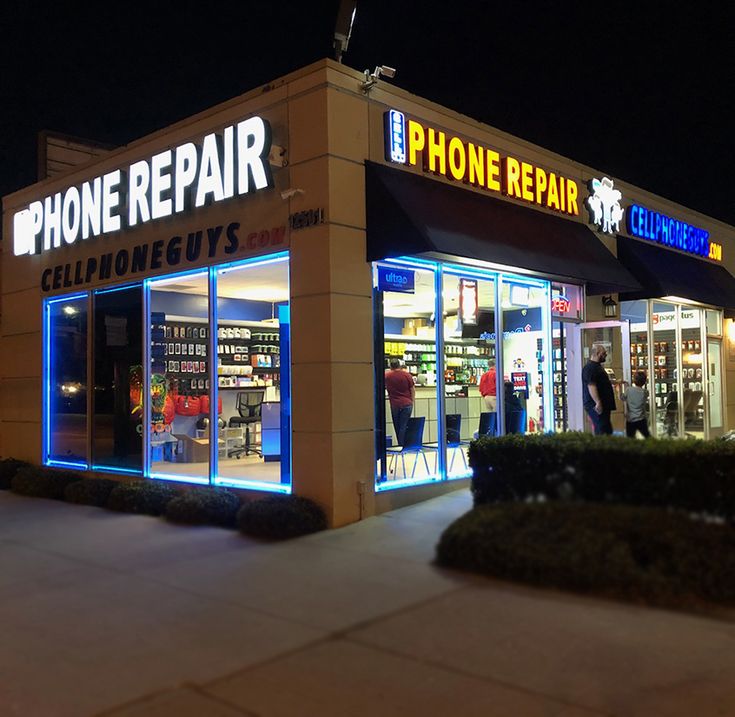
x: 123, y: 616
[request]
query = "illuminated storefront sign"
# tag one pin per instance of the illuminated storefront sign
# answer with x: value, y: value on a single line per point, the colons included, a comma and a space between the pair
x: 604, y: 205
x: 566, y: 301
x: 412, y: 143
x: 170, y: 182
x: 647, y: 224
x: 399, y: 280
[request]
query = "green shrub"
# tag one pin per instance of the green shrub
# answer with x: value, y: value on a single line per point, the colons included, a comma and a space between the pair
x: 280, y: 517
x: 43, y: 482
x: 90, y: 491
x: 8, y: 468
x: 637, y: 553
x: 696, y: 476
x: 146, y: 497
x: 204, y: 506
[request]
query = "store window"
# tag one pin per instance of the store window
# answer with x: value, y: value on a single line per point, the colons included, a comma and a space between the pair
x: 680, y: 349
x: 162, y: 406
x: 525, y: 319
x: 253, y: 380
x: 470, y: 377
x: 65, y: 368
x: 117, y: 415
x: 408, y: 408
x: 178, y: 379
x: 225, y: 419
x: 464, y: 382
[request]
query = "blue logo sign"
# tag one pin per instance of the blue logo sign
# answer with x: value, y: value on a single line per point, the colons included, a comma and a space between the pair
x: 647, y: 224
x: 395, y: 137
x: 392, y: 279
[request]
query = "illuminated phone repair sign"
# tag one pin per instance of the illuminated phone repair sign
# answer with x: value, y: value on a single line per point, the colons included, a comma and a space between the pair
x: 233, y: 162
x: 412, y: 143
x: 647, y: 224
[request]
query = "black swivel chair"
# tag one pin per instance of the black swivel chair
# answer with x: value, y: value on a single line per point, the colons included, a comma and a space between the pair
x: 248, y: 405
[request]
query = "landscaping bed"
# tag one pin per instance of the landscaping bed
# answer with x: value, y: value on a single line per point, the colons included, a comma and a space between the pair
x: 695, y: 476
x: 278, y: 517
x: 652, y: 555
x: 649, y: 520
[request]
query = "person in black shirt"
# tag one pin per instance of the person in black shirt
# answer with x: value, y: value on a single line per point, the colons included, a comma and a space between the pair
x: 597, y: 391
x: 513, y: 407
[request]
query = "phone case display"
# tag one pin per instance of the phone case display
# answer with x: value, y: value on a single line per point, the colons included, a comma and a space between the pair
x: 182, y: 365
x: 248, y: 356
x: 464, y: 361
x: 559, y: 371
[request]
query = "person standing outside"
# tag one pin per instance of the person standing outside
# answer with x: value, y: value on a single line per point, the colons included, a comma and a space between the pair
x: 598, y: 396
x: 489, y: 388
x: 401, y: 395
x: 635, y: 401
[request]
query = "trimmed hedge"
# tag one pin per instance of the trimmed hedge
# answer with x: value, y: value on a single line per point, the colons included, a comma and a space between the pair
x: 8, y: 468
x: 649, y: 554
x: 43, y: 482
x: 279, y: 517
x: 90, y: 491
x: 204, y: 507
x: 143, y: 497
x: 697, y: 476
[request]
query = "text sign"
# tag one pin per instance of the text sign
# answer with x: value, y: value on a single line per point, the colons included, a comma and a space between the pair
x: 226, y: 164
x: 646, y: 224
x: 415, y: 144
x: 392, y: 279
x: 520, y: 382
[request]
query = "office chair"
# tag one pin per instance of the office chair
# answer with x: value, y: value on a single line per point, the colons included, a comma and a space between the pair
x: 248, y: 405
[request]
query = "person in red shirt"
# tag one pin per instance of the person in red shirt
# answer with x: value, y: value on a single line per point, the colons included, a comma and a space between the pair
x: 489, y: 389
x: 401, y: 395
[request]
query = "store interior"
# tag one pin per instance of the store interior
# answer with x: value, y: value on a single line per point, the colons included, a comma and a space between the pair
x: 252, y: 327
x: 680, y: 360
x: 469, y: 340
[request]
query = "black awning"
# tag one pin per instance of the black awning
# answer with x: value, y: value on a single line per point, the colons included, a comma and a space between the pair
x: 408, y: 214
x: 663, y: 272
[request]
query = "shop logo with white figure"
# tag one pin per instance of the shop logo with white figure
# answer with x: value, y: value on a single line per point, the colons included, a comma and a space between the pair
x: 604, y: 205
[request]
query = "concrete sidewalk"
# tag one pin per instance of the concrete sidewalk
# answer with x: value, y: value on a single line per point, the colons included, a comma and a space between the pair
x: 125, y: 616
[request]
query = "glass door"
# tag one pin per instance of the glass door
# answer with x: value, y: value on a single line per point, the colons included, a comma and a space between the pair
x: 714, y: 387
x: 615, y: 337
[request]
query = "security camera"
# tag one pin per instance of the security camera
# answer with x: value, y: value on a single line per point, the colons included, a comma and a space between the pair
x: 291, y: 192
x: 370, y: 80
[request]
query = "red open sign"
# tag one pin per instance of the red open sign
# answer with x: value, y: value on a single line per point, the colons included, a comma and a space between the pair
x: 561, y: 305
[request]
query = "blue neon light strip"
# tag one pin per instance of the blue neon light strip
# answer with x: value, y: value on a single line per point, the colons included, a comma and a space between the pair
x: 253, y: 485
x: 179, y: 478
x: 393, y: 484
x: 253, y: 262
x: 117, y: 469
x: 66, y: 297
x: 66, y: 464
x: 123, y: 287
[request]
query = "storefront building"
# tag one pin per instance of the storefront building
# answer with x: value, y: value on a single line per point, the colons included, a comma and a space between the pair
x: 217, y: 303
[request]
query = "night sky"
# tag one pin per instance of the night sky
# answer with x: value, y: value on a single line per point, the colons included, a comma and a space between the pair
x: 644, y: 97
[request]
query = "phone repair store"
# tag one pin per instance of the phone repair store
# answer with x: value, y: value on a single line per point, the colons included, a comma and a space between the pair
x: 164, y: 277
x: 493, y: 259
x: 217, y: 303
x: 482, y: 261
